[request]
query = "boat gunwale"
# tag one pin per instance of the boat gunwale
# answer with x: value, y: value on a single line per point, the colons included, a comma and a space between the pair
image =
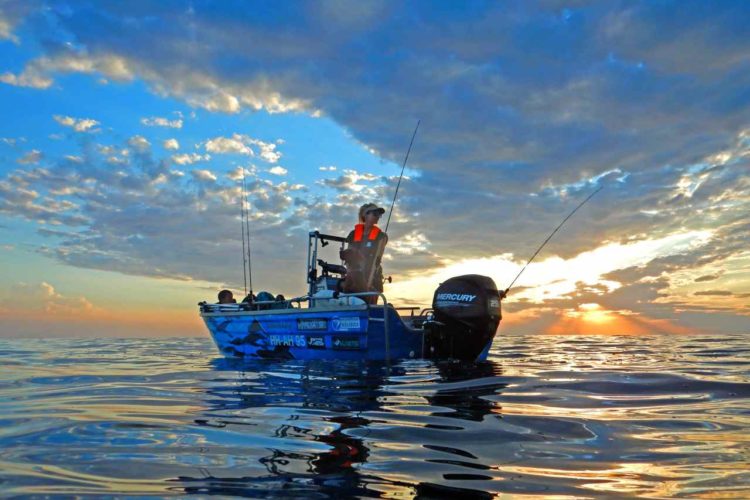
x: 306, y: 310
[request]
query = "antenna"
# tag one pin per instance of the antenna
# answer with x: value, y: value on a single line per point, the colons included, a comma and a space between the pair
x: 247, y: 231
x: 242, y: 225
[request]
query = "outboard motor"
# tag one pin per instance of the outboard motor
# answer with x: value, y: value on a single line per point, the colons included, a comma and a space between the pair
x: 467, y: 313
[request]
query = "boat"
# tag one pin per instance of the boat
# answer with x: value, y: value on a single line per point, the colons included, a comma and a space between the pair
x: 327, y: 324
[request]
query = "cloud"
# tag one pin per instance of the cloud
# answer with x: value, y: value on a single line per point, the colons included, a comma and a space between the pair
x: 12, y: 141
x: 156, y: 121
x: 139, y: 143
x: 707, y: 277
x: 10, y: 16
x: 28, y: 78
x: 77, y: 124
x: 38, y: 73
x: 352, y: 181
x: 43, y: 297
x: 278, y: 170
x: 171, y: 144
x: 32, y: 156
x: 204, y: 175
x: 189, y: 158
x: 225, y: 145
x: 244, y: 145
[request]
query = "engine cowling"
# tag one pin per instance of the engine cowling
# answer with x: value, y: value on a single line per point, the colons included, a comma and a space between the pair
x: 467, y: 314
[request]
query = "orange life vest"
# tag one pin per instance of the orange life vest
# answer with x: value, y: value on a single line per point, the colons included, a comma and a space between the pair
x: 359, y: 231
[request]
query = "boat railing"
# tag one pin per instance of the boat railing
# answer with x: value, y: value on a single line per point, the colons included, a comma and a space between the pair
x: 258, y: 305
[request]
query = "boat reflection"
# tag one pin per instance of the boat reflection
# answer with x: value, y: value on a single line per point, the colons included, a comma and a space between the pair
x: 322, y: 415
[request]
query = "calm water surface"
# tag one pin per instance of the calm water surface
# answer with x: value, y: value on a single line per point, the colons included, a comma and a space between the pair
x: 560, y: 417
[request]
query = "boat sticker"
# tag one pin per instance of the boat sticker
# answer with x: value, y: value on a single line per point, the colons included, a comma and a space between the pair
x: 312, y: 324
x: 279, y: 326
x: 316, y: 342
x: 346, y: 343
x: 287, y: 340
x: 346, y: 323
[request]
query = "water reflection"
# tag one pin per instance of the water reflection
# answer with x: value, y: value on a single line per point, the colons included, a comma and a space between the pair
x: 565, y: 417
x: 331, y: 409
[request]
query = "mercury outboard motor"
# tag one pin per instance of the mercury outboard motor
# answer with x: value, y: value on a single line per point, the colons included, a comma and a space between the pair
x: 467, y: 313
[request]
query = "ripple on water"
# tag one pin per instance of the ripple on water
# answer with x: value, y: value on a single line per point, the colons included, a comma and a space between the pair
x: 609, y: 417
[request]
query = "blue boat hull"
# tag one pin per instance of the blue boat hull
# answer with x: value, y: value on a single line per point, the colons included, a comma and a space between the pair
x: 349, y: 333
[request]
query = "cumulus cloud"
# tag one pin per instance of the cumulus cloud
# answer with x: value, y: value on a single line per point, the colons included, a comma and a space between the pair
x: 171, y: 144
x: 43, y: 297
x: 204, y: 175
x: 32, y: 156
x: 157, y: 121
x: 77, y: 124
x: 223, y: 145
x: 139, y: 143
x: 28, y: 78
x: 352, y: 181
x: 244, y: 145
x: 38, y: 73
x: 278, y: 170
x: 189, y: 158
x: 133, y: 220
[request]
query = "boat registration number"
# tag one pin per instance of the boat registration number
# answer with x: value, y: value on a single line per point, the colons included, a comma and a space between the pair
x: 312, y: 324
x: 287, y: 340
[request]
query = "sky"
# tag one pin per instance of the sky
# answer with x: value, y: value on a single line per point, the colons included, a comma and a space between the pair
x: 127, y: 128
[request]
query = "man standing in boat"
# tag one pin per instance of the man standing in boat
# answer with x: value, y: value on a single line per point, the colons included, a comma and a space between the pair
x: 366, y: 244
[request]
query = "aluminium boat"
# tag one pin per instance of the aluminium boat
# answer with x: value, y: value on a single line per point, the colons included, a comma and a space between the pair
x: 326, y: 324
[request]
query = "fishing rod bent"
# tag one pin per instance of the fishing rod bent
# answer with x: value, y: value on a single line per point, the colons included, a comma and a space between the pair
x: 550, y: 237
x: 406, y: 158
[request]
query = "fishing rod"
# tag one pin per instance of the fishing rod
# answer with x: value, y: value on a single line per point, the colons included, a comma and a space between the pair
x: 242, y: 225
x: 247, y: 231
x: 390, y: 212
x: 550, y: 237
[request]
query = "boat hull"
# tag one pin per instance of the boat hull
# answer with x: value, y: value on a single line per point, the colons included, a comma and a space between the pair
x: 347, y: 333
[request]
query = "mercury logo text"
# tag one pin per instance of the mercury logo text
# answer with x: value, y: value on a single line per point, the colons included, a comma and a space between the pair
x: 465, y: 297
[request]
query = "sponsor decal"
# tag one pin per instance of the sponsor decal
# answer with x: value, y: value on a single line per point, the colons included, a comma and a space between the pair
x: 316, y: 342
x: 287, y: 340
x: 458, y: 297
x: 312, y: 324
x: 346, y: 323
x: 345, y: 343
x: 279, y: 326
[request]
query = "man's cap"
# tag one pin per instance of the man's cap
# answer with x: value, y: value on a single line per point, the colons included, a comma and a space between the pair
x: 371, y: 207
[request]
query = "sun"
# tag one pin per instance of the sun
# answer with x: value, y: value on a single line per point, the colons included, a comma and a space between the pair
x: 593, y: 313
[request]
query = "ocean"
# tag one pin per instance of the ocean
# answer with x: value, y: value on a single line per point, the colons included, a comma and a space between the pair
x: 544, y: 417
